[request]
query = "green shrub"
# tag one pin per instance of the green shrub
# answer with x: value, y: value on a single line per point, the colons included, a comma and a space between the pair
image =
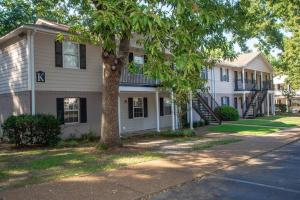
x: 41, y: 129
x: 89, y: 136
x: 178, y: 133
x: 47, y: 129
x: 195, y: 124
x: 227, y: 113
x: 281, y: 107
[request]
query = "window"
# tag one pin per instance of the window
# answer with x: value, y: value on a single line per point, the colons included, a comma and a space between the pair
x: 204, y: 73
x: 235, y: 102
x: 167, y: 106
x: 71, y: 110
x: 225, y: 101
x: 70, y: 55
x: 138, y: 108
x: 224, y: 73
x: 138, y: 60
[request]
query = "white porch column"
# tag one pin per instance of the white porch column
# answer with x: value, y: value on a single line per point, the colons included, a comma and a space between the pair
x: 157, y: 111
x: 261, y: 80
x: 119, y: 114
x: 244, y: 102
x: 263, y: 107
x: 173, y: 111
x: 273, y: 104
x: 191, y: 110
x: 243, y: 74
x: 255, y: 79
x: 268, y: 104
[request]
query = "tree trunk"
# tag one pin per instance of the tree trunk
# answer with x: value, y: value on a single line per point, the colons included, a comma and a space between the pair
x: 112, y: 68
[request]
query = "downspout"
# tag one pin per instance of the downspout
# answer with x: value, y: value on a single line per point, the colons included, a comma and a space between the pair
x: 32, y: 71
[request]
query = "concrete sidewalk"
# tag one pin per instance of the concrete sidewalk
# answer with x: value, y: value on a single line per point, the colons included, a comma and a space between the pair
x: 145, y: 179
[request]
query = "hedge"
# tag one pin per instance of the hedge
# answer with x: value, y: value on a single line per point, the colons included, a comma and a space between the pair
x: 41, y: 129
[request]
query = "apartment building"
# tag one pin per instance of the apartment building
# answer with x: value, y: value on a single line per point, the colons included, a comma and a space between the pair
x: 280, y: 98
x: 41, y: 75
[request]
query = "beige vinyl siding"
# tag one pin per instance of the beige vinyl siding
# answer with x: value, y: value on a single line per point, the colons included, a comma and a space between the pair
x: 46, y: 103
x: 14, y: 104
x: 140, y: 124
x: 259, y: 64
x: 13, y: 66
x: 61, y: 79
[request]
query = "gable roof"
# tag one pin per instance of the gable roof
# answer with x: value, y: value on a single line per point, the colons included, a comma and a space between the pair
x: 243, y: 60
x: 40, y: 25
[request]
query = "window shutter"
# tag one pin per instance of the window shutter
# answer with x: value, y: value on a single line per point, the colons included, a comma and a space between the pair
x: 83, y: 110
x: 145, y: 100
x: 130, y: 108
x: 60, y: 109
x: 161, y: 106
x: 82, y: 49
x: 58, y: 54
x: 222, y: 101
x: 227, y: 75
x: 228, y: 101
x: 145, y: 58
x: 221, y: 74
x: 130, y: 58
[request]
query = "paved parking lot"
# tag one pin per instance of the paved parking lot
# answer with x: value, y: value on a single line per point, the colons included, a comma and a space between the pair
x: 275, y: 176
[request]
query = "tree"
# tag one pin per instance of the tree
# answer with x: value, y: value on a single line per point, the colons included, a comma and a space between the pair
x: 14, y: 13
x: 179, y: 37
x: 285, y: 17
x: 289, y: 93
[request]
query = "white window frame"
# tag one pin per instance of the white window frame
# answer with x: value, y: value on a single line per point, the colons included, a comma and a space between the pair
x: 72, y: 110
x: 226, y: 103
x: 141, y: 57
x: 65, y: 65
x: 139, y: 107
x: 167, y: 103
x: 224, y: 75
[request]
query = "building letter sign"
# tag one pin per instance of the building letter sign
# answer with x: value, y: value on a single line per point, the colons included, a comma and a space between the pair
x: 40, y: 76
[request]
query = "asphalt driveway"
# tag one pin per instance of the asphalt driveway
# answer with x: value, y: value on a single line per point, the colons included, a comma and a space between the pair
x: 275, y: 176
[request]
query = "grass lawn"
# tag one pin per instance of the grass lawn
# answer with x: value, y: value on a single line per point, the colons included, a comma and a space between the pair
x: 290, y: 120
x: 19, y: 168
x: 258, y: 126
x: 243, y: 129
x: 274, y: 121
x: 210, y: 144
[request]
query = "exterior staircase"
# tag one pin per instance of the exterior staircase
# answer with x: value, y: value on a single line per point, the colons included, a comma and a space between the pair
x: 204, y: 104
x: 253, y: 108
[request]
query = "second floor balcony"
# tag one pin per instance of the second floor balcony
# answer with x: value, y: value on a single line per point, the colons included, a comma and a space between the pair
x: 252, y: 85
x: 139, y: 79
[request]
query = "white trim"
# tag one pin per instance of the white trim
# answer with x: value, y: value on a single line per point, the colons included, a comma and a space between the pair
x: 157, y: 112
x: 243, y: 74
x: 119, y: 115
x: 136, y: 89
x: 28, y: 44
x: 244, y: 102
x: 268, y: 104
x: 173, y: 111
x: 33, y: 109
x: 31, y: 69
x: 191, y: 111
